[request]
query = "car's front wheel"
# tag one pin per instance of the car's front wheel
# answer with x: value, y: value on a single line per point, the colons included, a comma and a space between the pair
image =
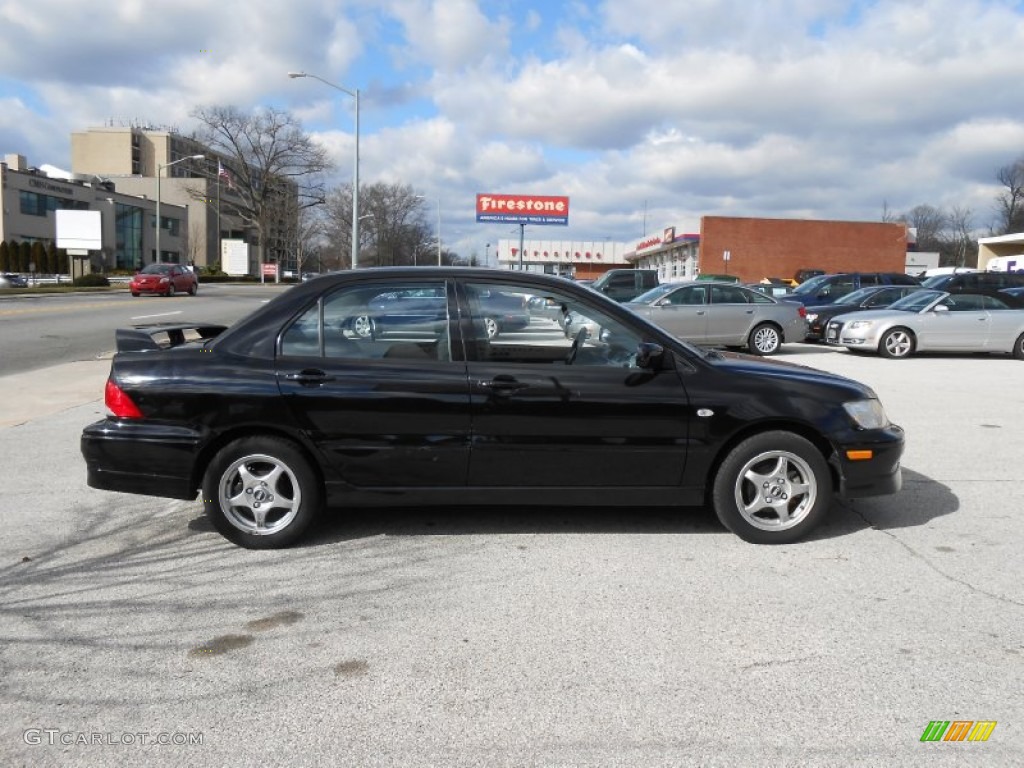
x: 1018, y: 347
x: 261, y: 493
x: 765, y: 339
x: 773, y: 488
x: 171, y: 290
x: 193, y: 289
x: 896, y: 343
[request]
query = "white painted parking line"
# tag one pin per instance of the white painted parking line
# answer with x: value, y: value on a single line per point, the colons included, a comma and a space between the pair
x: 162, y: 314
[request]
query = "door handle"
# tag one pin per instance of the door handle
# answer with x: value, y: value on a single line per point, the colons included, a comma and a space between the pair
x: 502, y: 385
x: 309, y: 376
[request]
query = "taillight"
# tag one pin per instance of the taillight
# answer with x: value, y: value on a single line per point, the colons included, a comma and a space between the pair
x: 119, y: 403
x: 802, y: 311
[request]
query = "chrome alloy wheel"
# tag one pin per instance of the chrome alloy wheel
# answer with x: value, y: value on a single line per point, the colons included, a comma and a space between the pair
x: 259, y: 494
x: 765, y: 340
x: 775, y: 490
x: 897, y: 343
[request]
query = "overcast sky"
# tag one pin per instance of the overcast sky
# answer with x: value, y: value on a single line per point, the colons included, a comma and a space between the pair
x: 646, y: 113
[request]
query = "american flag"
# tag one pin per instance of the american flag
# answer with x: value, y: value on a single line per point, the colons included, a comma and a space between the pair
x: 222, y: 173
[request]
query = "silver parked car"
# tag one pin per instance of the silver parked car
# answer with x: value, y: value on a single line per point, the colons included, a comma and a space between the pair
x: 935, y: 321
x: 723, y: 314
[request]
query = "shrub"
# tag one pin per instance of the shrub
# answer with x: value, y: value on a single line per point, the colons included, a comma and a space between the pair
x: 92, y: 280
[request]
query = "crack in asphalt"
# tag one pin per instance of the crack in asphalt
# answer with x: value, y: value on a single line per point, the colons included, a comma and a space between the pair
x: 931, y: 565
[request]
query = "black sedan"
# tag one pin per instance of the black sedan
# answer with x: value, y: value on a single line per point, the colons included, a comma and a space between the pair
x: 872, y: 297
x: 292, y: 411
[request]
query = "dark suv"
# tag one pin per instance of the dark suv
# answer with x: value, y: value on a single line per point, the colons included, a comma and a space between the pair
x: 824, y: 289
x: 961, y: 281
x: 625, y: 284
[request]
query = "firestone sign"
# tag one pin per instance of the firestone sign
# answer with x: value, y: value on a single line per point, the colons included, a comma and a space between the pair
x: 522, y: 209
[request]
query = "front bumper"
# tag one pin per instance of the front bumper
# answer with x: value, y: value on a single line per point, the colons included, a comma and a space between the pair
x: 880, y: 475
x: 144, y: 458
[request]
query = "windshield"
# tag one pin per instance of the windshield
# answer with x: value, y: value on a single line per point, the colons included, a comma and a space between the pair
x: 655, y: 293
x: 936, y: 280
x: 811, y: 286
x: 157, y: 269
x: 856, y: 297
x: 916, y: 301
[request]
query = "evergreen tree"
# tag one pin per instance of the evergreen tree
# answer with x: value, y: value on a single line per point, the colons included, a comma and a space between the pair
x: 5, y: 257
x: 38, y: 256
x: 51, y: 258
x: 24, y: 256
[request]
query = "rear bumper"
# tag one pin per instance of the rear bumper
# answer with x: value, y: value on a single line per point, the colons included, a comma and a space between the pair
x: 880, y: 475
x: 149, y: 459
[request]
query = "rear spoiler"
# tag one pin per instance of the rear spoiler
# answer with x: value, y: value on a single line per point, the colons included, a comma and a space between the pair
x: 143, y: 338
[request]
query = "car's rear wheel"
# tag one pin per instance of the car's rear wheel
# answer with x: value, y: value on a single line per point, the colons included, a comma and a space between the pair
x: 896, y: 343
x: 764, y: 339
x: 773, y: 488
x: 261, y: 493
x: 1018, y: 347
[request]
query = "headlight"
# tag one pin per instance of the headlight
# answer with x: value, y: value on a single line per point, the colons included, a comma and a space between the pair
x: 867, y: 414
x: 853, y: 326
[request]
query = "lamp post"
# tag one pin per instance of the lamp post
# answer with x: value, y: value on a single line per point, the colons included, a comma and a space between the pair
x: 159, y: 169
x: 355, y: 172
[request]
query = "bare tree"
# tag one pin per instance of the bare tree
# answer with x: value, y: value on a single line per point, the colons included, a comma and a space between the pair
x: 929, y: 223
x: 195, y: 244
x: 268, y: 159
x: 960, y: 239
x: 1010, y: 203
x: 396, y: 226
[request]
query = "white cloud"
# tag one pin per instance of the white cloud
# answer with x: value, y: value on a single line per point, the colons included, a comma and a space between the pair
x: 825, y: 108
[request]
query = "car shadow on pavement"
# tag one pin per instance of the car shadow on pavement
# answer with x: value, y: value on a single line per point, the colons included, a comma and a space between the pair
x: 343, y: 525
x: 920, y: 501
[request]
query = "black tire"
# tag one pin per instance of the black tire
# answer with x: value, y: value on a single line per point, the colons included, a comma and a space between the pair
x: 773, y: 488
x: 764, y: 339
x: 193, y: 289
x: 896, y: 344
x: 135, y: 294
x: 261, y: 493
x: 171, y: 290
x: 1018, y: 347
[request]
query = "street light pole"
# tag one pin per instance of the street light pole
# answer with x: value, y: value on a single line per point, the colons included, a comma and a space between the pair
x: 159, y: 169
x: 355, y: 172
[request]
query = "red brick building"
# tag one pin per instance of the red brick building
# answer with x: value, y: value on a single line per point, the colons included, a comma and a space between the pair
x: 760, y: 248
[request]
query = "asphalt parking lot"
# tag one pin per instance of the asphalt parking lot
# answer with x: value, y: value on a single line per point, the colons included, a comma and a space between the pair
x: 526, y: 637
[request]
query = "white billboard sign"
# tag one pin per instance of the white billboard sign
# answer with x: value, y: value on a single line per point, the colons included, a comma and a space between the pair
x: 234, y: 257
x: 79, y: 230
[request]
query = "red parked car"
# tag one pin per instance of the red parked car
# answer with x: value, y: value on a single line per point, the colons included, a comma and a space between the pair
x: 165, y: 280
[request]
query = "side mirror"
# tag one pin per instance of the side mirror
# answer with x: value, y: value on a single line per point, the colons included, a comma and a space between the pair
x: 647, y: 353
x: 940, y: 308
x: 662, y: 303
